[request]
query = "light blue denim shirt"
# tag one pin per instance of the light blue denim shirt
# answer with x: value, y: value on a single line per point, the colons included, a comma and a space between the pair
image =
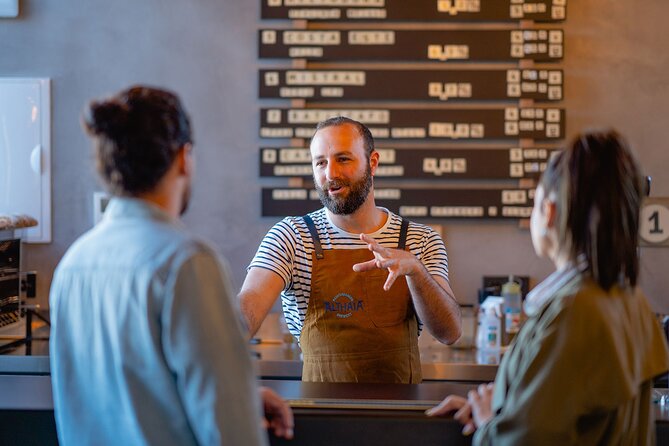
x: 146, y: 340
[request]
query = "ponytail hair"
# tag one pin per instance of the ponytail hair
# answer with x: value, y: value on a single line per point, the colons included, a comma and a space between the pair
x: 598, y: 190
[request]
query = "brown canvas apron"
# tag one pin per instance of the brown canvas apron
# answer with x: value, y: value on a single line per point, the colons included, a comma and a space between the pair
x: 354, y: 331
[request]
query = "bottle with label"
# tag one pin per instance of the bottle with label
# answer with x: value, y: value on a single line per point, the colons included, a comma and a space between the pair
x: 512, y: 308
x: 489, y: 327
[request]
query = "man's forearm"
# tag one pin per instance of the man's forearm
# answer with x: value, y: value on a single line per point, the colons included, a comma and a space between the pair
x: 252, y: 320
x: 436, y: 306
x: 259, y: 292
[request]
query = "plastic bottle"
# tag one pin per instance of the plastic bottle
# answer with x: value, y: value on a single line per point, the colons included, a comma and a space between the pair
x: 489, y: 327
x: 512, y: 307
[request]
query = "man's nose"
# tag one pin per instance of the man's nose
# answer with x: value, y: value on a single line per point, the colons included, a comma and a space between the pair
x: 332, y: 171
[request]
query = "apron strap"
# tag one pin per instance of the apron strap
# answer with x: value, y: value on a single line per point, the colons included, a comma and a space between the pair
x: 314, y: 236
x: 403, y: 234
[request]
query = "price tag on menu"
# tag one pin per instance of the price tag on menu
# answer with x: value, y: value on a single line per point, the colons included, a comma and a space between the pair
x: 654, y: 222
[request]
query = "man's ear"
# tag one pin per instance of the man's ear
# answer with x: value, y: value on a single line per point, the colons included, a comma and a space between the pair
x: 185, y: 159
x: 374, y: 161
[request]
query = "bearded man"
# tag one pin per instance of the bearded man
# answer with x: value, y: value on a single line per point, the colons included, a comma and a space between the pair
x: 357, y: 282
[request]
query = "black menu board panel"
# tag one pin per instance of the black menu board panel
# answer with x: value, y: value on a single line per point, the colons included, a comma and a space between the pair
x: 541, y: 45
x: 511, y: 203
x: 412, y: 85
x: 415, y: 10
x: 423, y: 123
x: 418, y: 163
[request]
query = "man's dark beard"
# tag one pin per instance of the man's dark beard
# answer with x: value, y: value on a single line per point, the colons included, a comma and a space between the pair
x: 357, y: 194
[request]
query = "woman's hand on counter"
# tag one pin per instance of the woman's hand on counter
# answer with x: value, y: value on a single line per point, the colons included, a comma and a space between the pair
x: 480, y: 401
x: 462, y: 409
x: 278, y: 415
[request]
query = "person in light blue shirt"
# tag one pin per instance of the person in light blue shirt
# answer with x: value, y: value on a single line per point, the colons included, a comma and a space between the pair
x: 147, y: 347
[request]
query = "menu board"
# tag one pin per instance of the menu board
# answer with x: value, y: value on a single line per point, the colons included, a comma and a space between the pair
x: 454, y: 92
x: 415, y: 10
x: 428, y: 203
x: 543, y: 45
x: 423, y: 123
x: 427, y: 164
x: 412, y: 85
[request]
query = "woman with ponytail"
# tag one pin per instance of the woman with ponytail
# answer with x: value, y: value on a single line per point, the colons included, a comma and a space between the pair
x: 582, y: 367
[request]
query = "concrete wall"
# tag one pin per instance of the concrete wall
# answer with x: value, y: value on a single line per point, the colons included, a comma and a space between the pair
x: 615, y: 73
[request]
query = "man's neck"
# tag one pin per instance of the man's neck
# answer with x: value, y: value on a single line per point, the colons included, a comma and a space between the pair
x: 160, y: 202
x: 168, y: 194
x: 366, y: 220
x: 165, y: 197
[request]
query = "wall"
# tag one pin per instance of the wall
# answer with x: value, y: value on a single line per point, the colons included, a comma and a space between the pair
x: 615, y: 74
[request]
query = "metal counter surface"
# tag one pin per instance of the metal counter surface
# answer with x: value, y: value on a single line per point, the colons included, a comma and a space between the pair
x: 24, y: 365
x: 322, y: 395
x: 282, y: 361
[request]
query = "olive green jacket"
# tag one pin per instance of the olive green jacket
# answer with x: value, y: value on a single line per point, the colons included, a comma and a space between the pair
x: 580, y: 372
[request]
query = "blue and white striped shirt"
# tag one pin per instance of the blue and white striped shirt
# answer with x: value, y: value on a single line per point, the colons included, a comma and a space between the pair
x: 287, y: 250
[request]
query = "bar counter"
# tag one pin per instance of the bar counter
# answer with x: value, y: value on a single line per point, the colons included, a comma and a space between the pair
x: 369, y: 414
x: 325, y: 414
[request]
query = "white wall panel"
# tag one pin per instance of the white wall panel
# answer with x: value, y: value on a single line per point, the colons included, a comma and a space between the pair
x: 25, y: 151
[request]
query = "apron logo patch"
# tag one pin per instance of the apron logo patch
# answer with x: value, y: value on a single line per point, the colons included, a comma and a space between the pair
x: 344, y: 305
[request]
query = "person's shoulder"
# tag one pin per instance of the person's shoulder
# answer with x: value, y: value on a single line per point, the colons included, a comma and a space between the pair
x: 571, y: 318
x: 422, y: 228
x: 425, y: 234
x: 581, y: 294
x: 288, y: 227
x: 615, y: 327
x: 414, y: 226
x: 298, y: 224
x: 200, y: 247
x: 167, y: 241
x: 79, y: 246
x: 603, y: 306
x: 298, y: 221
x: 583, y: 304
x: 197, y: 245
x: 174, y: 246
x: 186, y: 249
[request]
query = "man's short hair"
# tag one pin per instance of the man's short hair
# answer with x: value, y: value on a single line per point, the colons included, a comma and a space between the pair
x: 336, y: 121
x: 137, y: 133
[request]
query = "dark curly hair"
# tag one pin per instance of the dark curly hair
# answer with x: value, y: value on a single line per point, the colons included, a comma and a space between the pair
x: 137, y: 133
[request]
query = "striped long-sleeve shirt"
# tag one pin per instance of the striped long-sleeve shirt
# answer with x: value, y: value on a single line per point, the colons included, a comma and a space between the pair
x: 287, y: 250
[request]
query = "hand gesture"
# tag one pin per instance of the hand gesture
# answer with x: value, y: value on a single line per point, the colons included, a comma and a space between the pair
x: 278, y: 416
x: 396, y: 261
